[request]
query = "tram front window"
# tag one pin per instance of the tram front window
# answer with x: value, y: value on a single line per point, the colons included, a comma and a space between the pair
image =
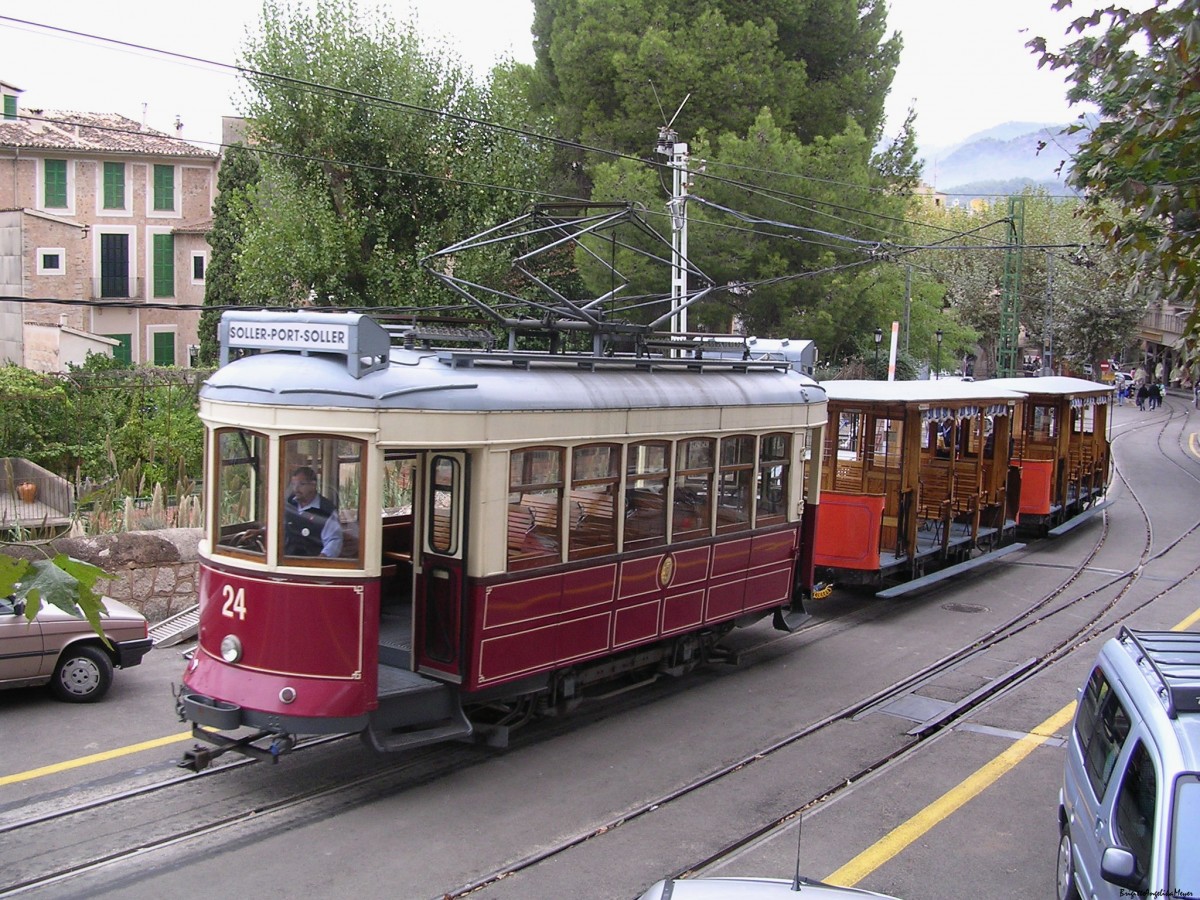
x: 322, y: 498
x: 241, y: 492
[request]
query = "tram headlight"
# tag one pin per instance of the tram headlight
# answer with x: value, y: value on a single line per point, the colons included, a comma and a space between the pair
x: 231, y: 648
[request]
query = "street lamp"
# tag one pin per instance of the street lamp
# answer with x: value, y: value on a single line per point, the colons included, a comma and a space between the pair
x: 938, y: 334
x: 878, y: 341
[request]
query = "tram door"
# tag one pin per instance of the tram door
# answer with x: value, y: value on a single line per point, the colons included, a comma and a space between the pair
x: 438, y: 642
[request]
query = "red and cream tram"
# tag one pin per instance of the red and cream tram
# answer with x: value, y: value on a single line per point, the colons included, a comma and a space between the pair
x: 915, y: 481
x: 1061, y: 445
x: 400, y: 538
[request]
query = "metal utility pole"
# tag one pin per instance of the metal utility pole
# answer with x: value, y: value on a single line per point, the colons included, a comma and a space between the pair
x: 907, y: 303
x: 676, y: 151
x: 1048, y: 325
x: 1010, y: 295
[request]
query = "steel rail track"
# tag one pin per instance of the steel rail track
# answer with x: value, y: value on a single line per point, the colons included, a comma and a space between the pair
x: 1027, y: 618
x: 1019, y: 623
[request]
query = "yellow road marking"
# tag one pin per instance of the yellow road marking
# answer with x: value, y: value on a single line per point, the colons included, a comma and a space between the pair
x: 903, y: 835
x: 94, y: 758
x: 1188, y: 622
x: 974, y: 784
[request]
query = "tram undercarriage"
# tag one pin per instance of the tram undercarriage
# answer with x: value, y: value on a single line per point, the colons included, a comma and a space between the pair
x: 415, y: 711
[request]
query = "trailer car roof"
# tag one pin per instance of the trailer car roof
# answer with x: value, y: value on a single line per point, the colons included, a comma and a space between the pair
x: 1054, y: 384
x: 925, y: 391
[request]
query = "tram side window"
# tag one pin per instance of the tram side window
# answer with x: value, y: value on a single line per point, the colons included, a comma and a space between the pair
x: 323, y: 491
x: 888, y: 442
x: 735, y: 483
x: 535, y: 495
x: 646, y: 494
x: 1084, y: 420
x: 849, y: 428
x: 443, y: 513
x: 595, y: 482
x: 773, y: 455
x: 241, y: 492
x: 967, y: 441
x: 695, y: 466
x: 398, y: 486
x: 1044, y: 425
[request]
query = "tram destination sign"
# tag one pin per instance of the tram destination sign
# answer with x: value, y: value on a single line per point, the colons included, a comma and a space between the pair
x: 357, y: 338
x: 331, y: 338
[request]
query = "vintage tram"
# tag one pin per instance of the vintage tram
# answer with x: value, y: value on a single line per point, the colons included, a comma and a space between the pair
x: 1061, y: 446
x: 421, y: 545
x: 916, y: 480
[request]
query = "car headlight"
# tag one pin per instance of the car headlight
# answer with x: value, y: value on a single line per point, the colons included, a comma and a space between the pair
x: 231, y: 648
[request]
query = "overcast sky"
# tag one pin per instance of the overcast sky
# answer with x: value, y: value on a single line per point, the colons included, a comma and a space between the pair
x: 964, y: 66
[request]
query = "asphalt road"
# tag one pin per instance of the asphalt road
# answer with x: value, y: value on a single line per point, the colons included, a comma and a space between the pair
x: 425, y: 836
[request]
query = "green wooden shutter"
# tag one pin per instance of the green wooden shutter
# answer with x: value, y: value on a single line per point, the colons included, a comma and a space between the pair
x: 56, y: 183
x: 164, y: 265
x: 10, y: 106
x: 164, y: 348
x: 124, y: 350
x: 114, y: 185
x: 164, y: 187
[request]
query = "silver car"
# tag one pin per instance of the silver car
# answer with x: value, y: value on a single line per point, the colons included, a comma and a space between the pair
x: 1129, y: 808
x: 752, y: 889
x: 63, y: 651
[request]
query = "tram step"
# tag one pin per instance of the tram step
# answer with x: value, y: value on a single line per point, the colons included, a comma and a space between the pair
x: 419, y: 715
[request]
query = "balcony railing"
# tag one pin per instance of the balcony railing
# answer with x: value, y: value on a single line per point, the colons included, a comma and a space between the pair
x: 1171, y: 325
x: 109, y: 288
x: 31, y: 497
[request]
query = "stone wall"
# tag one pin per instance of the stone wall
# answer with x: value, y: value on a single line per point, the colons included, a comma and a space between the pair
x: 153, y: 571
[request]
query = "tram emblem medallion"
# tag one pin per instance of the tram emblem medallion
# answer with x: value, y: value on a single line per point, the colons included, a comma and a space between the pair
x: 666, y: 570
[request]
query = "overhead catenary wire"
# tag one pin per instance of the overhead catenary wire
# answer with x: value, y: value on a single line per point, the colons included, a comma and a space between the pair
x: 386, y: 102
x: 875, y: 248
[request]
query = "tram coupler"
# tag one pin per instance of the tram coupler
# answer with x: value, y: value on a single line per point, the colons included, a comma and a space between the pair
x: 200, y: 757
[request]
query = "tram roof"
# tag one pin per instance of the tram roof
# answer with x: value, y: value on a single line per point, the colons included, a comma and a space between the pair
x: 925, y: 391
x: 1061, y: 385
x: 441, y: 381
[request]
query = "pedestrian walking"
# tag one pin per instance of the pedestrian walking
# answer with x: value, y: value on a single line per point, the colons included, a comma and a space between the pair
x: 1142, y: 393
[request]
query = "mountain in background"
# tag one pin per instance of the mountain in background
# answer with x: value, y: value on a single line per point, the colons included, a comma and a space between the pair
x: 1003, y: 160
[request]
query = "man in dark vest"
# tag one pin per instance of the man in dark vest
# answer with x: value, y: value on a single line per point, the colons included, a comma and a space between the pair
x: 311, y: 526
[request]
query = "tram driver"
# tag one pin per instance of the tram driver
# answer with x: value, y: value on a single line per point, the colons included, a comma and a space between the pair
x: 311, y: 526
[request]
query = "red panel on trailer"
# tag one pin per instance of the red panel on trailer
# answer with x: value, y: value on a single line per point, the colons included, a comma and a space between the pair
x: 1037, y: 481
x: 849, y: 534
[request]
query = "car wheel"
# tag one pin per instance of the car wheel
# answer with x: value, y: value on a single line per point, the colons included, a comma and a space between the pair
x: 83, y: 675
x: 1065, y: 876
